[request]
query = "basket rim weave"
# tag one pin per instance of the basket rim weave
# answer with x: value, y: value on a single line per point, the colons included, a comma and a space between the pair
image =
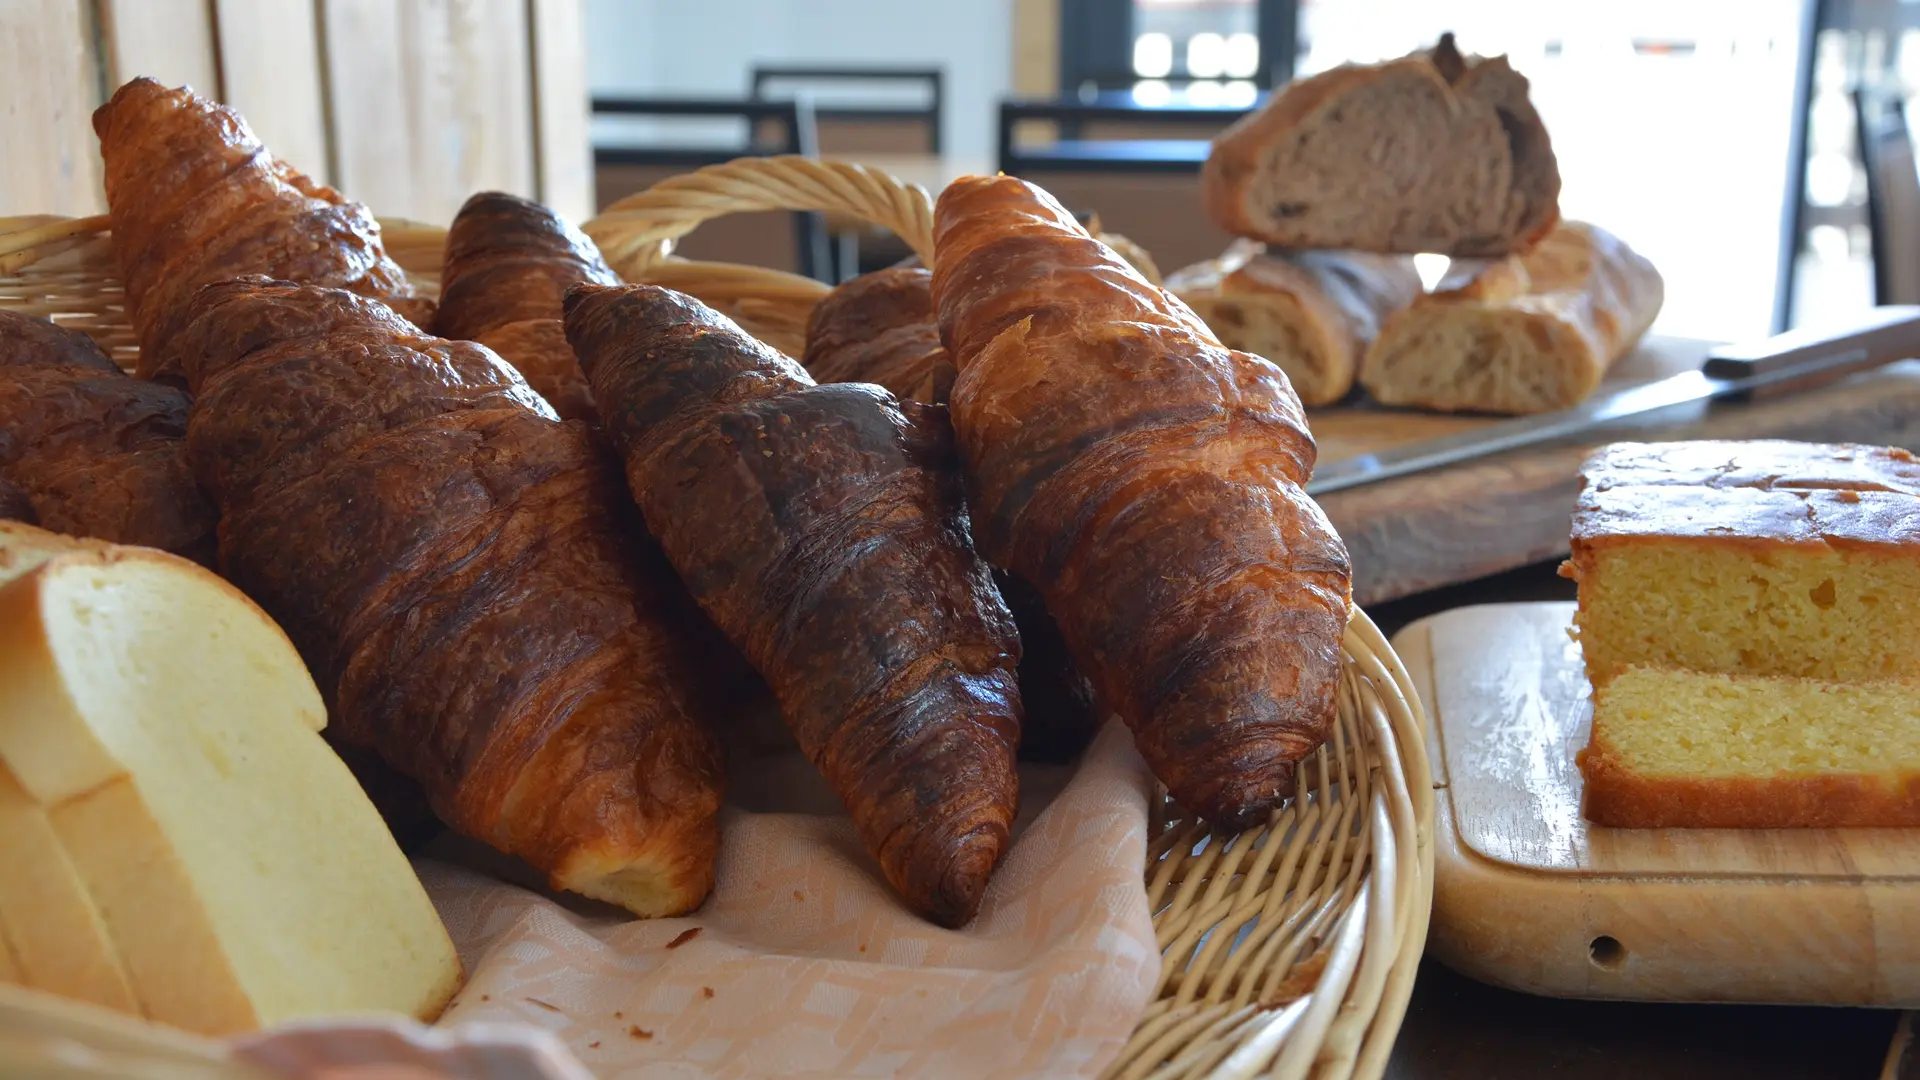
x: 1288, y: 950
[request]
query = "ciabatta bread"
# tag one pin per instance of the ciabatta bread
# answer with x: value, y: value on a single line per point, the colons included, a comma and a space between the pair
x: 1526, y: 334
x: 1312, y: 312
x: 1433, y: 152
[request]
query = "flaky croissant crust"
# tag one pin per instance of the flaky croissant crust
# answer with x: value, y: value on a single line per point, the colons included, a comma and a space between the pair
x: 196, y: 198
x: 452, y: 562
x: 1148, y: 482
x: 92, y: 451
x: 509, y: 262
x: 822, y: 528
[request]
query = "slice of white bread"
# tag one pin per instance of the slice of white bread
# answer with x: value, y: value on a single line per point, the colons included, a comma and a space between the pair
x: 23, y: 547
x: 169, y: 731
x: 1312, y: 312
x: 54, y: 936
x: 1527, y: 334
x: 51, y: 934
x: 1433, y: 152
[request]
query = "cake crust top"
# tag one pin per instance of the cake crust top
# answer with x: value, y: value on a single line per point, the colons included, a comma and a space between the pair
x: 1768, y: 491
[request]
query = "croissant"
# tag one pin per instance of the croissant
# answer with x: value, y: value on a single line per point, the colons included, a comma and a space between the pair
x: 91, y: 450
x: 195, y: 198
x: 823, y: 530
x: 508, y: 265
x: 1148, y: 482
x: 879, y: 328
x: 14, y: 504
x: 451, y: 562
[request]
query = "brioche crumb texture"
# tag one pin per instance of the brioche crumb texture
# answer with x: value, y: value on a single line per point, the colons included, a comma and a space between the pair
x: 1704, y: 750
x: 1809, y: 611
x: 170, y: 736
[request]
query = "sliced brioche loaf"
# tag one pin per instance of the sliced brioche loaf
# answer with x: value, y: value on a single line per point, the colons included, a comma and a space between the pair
x: 169, y: 733
x: 55, y: 938
x: 1312, y: 312
x: 1433, y: 152
x: 1526, y: 334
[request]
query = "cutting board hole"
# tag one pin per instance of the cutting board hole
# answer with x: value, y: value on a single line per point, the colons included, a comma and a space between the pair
x: 1606, y: 953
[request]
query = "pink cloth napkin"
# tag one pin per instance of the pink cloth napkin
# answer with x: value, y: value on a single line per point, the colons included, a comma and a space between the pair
x: 803, y: 964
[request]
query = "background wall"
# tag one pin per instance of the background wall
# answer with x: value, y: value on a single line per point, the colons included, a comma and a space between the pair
x: 678, y: 48
x: 408, y: 107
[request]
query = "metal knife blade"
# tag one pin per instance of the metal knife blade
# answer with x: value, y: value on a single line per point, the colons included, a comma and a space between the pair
x: 1787, y: 362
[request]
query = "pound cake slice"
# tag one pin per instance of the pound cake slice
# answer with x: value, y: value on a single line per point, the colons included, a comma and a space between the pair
x: 1688, y: 749
x: 1749, y: 558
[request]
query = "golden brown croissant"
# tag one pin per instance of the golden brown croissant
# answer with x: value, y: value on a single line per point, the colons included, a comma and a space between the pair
x: 93, y: 450
x: 879, y: 328
x: 822, y: 528
x: 450, y: 559
x: 195, y: 198
x: 509, y: 263
x: 1148, y: 482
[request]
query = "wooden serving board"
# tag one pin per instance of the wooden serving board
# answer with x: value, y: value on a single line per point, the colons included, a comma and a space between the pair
x: 1508, y: 510
x: 1528, y: 895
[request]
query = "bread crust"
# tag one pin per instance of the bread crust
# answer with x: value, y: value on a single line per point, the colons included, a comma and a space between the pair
x: 14, y: 504
x: 1490, y: 128
x: 879, y: 328
x: 195, y: 198
x: 824, y: 531
x: 89, y: 450
x: 1759, y: 493
x: 1618, y: 797
x: 455, y: 567
x: 509, y: 263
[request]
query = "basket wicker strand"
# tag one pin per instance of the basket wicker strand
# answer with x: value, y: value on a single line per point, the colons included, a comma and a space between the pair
x: 1288, y: 950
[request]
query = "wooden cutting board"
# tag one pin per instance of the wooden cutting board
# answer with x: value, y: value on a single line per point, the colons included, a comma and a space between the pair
x: 1529, y: 896
x: 1455, y: 524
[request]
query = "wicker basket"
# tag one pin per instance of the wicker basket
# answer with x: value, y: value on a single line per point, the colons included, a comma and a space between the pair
x: 1288, y: 950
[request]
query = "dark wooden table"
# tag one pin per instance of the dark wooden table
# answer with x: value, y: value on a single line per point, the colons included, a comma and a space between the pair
x: 1457, y: 1028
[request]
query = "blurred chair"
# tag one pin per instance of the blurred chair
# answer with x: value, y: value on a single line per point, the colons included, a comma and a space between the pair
x: 862, y: 117
x: 1893, y: 193
x: 773, y: 127
x: 1136, y: 166
x: 882, y: 125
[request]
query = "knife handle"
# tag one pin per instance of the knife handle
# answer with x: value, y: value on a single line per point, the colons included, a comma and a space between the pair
x: 1884, y: 333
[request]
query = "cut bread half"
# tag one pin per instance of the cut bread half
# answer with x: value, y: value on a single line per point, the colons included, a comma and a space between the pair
x: 1526, y: 334
x: 1433, y: 152
x: 169, y: 732
x: 1312, y: 312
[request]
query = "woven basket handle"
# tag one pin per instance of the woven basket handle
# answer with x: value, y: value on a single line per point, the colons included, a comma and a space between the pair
x: 637, y: 233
